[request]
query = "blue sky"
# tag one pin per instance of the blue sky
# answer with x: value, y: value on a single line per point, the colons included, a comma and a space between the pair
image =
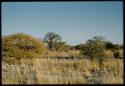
x: 76, y: 22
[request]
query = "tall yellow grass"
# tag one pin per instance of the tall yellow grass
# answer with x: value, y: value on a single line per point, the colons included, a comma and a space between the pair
x: 62, y: 71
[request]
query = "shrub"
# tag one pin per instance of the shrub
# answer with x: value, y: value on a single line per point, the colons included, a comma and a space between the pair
x: 21, y: 45
x: 94, y: 48
x: 116, y: 54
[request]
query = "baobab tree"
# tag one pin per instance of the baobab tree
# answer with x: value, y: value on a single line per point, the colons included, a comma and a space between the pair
x: 52, y: 39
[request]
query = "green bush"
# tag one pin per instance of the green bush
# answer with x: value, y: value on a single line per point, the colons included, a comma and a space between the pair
x: 94, y: 48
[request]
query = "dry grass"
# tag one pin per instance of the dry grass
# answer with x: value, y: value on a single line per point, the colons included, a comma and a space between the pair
x: 62, y: 71
x: 121, y: 52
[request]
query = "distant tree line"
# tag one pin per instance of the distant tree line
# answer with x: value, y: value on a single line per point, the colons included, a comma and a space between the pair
x: 20, y: 43
x: 92, y: 48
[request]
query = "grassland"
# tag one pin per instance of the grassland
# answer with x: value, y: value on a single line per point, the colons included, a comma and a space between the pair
x: 62, y: 68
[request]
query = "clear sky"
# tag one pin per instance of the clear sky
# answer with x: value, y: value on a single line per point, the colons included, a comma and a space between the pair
x: 76, y: 22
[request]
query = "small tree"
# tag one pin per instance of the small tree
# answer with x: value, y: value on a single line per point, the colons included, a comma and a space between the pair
x: 52, y: 39
x: 94, y: 49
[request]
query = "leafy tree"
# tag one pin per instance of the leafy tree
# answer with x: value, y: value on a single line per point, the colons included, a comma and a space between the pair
x: 52, y: 39
x: 94, y: 49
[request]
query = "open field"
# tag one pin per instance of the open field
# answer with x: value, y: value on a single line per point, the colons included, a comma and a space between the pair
x: 62, y: 71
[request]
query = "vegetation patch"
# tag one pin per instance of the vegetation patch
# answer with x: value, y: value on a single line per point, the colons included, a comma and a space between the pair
x: 21, y: 46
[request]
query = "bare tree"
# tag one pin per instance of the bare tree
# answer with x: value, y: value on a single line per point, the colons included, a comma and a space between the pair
x: 52, y: 39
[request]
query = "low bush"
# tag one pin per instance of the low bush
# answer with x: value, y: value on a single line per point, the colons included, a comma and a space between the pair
x: 21, y: 46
